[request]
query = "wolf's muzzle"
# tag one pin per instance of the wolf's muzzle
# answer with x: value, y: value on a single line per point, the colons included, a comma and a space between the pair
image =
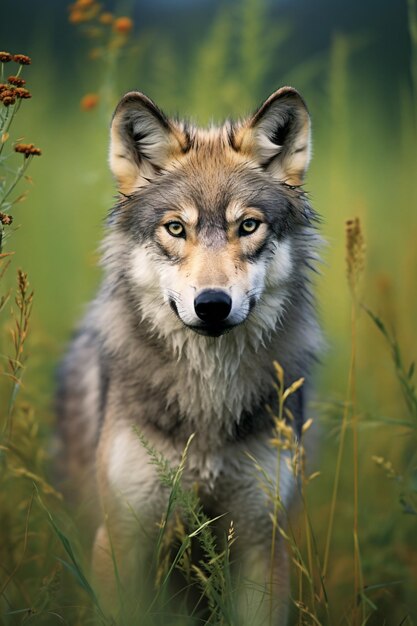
x: 213, y: 306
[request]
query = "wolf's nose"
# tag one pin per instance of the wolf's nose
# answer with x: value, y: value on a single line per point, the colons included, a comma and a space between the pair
x: 213, y: 305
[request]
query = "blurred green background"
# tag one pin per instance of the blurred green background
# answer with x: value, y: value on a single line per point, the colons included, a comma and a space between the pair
x: 356, y: 65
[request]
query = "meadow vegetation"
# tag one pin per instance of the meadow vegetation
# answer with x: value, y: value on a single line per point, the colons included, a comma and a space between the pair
x: 353, y: 541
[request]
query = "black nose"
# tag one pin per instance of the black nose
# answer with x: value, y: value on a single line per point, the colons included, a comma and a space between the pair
x: 213, y: 305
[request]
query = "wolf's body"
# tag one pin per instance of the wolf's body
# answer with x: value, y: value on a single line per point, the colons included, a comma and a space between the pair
x: 206, y: 283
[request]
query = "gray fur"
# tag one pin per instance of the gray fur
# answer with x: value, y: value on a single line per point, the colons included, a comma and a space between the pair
x: 122, y: 369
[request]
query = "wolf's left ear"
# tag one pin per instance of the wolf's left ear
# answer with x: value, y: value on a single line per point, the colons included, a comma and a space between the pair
x: 142, y: 141
x: 278, y: 136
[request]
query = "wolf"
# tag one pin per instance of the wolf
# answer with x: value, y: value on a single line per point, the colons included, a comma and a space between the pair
x: 207, y: 262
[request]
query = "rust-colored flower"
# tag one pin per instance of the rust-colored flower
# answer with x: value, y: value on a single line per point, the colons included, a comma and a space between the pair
x: 5, y: 219
x: 123, y: 25
x: 106, y: 18
x: 17, y: 81
x: 28, y: 149
x: 83, y: 11
x: 7, y: 93
x: 76, y: 17
x: 89, y: 101
x: 22, y: 59
x: 7, y: 100
x: 5, y: 57
x: 22, y: 93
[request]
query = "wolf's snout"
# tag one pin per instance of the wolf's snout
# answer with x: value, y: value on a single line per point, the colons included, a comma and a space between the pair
x: 213, y: 305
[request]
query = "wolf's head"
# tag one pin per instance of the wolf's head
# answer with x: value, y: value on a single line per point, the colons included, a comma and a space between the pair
x: 209, y: 218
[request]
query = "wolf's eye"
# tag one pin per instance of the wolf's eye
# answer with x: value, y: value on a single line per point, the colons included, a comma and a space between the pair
x: 248, y: 227
x: 176, y: 229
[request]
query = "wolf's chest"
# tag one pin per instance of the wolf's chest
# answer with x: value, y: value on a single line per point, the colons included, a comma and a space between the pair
x: 214, y: 387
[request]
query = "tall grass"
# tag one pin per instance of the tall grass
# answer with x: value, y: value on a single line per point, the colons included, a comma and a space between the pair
x: 353, y: 543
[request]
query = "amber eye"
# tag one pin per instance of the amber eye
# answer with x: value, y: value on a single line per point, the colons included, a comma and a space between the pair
x: 248, y: 227
x: 176, y: 229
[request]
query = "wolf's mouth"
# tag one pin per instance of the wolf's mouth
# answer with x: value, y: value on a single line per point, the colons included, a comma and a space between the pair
x: 211, y: 331
x: 208, y: 330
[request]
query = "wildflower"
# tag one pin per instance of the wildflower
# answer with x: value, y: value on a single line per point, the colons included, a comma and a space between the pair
x: 17, y: 81
x: 106, y: 18
x: 7, y: 93
x: 76, y: 17
x: 22, y: 93
x: 28, y: 149
x: 5, y: 219
x: 123, y: 25
x: 84, y: 4
x: 8, y: 100
x: 22, y: 59
x: 83, y: 11
x: 3, y: 87
x: 89, y: 101
x: 5, y: 57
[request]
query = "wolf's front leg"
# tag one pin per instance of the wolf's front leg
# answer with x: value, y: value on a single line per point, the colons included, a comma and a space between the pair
x: 133, y: 503
x: 249, y: 496
x: 114, y: 566
x: 263, y: 594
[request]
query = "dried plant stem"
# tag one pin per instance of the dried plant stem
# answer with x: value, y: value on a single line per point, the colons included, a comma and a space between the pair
x: 335, y: 490
x: 20, y: 172
x: 25, y: 543
x: 355, y: 258
x: 276, y: 511
x: 6, y: 122
x: 300, y: 596
x: 309, y: 546
x: 354, y: 421
x: 23, y: 302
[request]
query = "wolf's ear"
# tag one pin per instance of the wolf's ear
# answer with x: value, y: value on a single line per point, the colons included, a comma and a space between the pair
x: 142, y: 141
x: 278, y: 136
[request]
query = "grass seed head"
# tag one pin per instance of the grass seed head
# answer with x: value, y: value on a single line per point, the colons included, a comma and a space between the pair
x: 388, y: 468
x: 355, y: 251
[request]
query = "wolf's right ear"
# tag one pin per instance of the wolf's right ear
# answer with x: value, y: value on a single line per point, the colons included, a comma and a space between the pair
x: 142, y: 141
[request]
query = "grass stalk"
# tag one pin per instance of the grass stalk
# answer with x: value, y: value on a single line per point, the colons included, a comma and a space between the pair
x: 355, y: 262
